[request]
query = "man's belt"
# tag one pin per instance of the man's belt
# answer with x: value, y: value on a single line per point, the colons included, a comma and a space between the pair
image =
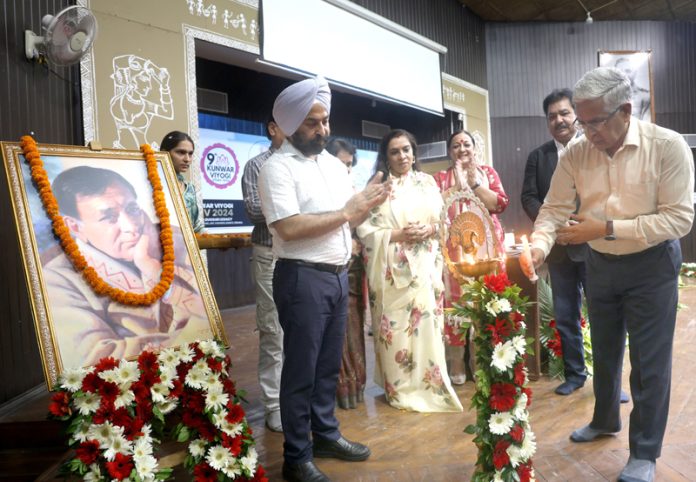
x: 617, y: 257
x: 329, y: 268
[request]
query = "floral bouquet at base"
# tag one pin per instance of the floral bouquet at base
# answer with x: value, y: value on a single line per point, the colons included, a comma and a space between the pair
x: 502, y: 431
x: 118, y: 412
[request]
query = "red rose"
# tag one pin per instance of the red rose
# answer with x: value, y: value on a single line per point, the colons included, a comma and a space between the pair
x: 517, y: 433
x: 60, y: 404
x: 496, y: 282
x: 204, y: 473
x: 500, y: 455
x: 121, y: 467
x: 88, y: 452
x: 502, y: 397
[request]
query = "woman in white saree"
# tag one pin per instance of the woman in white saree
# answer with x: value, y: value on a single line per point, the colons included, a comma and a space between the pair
x: 404, y: 269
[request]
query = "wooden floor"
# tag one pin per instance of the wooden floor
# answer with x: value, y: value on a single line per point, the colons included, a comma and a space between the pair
x: 433, y: 448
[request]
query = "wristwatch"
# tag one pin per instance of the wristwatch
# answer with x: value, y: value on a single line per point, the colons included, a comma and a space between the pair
x: 609, y: 232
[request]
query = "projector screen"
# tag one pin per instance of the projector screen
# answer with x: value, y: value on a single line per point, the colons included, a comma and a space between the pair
x: 318, y: 37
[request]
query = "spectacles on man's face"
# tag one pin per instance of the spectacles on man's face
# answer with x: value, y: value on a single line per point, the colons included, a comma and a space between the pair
x: 596, y: 124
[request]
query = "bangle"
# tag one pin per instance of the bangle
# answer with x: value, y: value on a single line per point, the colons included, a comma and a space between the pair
x: 476, y: 186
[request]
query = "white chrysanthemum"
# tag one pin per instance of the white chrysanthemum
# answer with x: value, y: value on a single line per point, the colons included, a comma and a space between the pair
x: 167, y: 376
x: 124, y: 398
x: 528, y: 448
x: 108, y: 375
x: 94, y: 474
x: 249, y: 461
x: 194, y: 378
x: 504, y: 355
x: 168, y: 357
x: 520, y: 409
x: 103, y: 433
x: 168, y: 405
x: 219, y: 457
x: 127, y: 372
x: 87, y: 404
x: 523, y: 325
x: 145, y: 466
x: 80, y: 433
x: 211, y: 348
x: 159, y: 392
x: 213, y: 383
x: 232, y: 471
x: 232, y: 429
x: 146, y: 432
x: 186, y: 354
x: 520, y: 344
x: 498, y: 305
x: 197, y: 447
x: 219, y: 418
x: 71, y: 379
x: 498, y: 476
x: 117, y: 445
x: 515, y: 454
x: 500, y: 423
x: 216, y: 400
x: 142, y: 446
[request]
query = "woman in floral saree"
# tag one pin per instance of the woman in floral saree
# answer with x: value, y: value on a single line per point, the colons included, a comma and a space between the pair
x: 404, y: 270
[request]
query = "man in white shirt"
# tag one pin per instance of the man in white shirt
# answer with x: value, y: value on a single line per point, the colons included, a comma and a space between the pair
x: 634, y: 181
x: 309, y: 205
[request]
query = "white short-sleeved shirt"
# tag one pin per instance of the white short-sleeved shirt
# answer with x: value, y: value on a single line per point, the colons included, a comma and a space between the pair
x: 291, y: 184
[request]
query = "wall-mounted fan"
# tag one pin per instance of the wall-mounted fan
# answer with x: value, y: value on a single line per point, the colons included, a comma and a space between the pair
x: 67, y: 38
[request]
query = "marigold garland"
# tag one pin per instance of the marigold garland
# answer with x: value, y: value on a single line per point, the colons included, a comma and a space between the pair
x: 70, y: 247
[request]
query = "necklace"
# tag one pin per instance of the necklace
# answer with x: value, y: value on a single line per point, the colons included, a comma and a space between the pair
x: 72, y: 250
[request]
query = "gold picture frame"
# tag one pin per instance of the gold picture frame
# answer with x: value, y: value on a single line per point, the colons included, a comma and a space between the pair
x: 637, y: 65
x: 116, y: 229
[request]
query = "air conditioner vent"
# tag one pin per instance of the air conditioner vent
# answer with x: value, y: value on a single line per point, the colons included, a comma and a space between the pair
x: 212, y: 100
x: 432, y: 152
x: 374, y: 129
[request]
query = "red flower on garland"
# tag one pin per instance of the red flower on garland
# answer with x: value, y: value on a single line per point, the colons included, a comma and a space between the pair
x: 121, y: 467
x: 88, y: 452
x: 147, y: 361
x: 519, y: 375
x: 204, y: 473
x: 528, y: 391
x: 525, y: 472
x: 233, y: 444
x: 107, y: 363
x: 500, y: 455
x: 60, y: 404
x: 91, y: 382
x: 496, y: 282
x: 517, y: 319
x: 517, y: 433
x: 502, y: 397
x: 236, y: 413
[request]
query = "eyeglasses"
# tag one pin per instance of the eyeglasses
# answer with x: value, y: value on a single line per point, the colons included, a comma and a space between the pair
x: 596, y: 124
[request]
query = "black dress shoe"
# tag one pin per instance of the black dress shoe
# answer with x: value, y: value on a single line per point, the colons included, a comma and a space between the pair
x: 305, y: 472
x: 340, y: 449
x: 566, y: 388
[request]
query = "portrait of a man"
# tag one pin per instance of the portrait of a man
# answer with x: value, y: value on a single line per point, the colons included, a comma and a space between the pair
x: 636, y: 66
x: 107, y: 206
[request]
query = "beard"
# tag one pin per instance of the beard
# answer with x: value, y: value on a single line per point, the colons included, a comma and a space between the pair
x: 308, y: 147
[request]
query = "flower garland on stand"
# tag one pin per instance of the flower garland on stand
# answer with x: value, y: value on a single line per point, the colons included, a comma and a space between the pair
x: 72, y: 250
x: 502, y: 431
x: 117, y: 412
x: 550, y: 338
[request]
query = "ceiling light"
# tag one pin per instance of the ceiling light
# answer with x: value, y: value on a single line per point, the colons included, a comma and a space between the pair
x: 589, y: 18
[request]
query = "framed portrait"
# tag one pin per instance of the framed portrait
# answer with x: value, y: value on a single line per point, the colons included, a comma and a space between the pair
x: 636, y: 64
x: 106, y: 201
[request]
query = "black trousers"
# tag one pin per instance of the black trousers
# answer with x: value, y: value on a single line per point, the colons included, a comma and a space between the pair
x: 312, y: 309
x: 637, y: 294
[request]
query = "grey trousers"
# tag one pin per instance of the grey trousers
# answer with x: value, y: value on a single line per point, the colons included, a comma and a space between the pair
x: 638, y: 294
x: 270, y: 332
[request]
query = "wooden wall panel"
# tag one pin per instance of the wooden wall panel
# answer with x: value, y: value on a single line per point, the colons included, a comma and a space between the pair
x: 45, y: 102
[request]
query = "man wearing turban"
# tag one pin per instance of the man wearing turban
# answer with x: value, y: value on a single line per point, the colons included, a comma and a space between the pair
x: 309, y: 205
